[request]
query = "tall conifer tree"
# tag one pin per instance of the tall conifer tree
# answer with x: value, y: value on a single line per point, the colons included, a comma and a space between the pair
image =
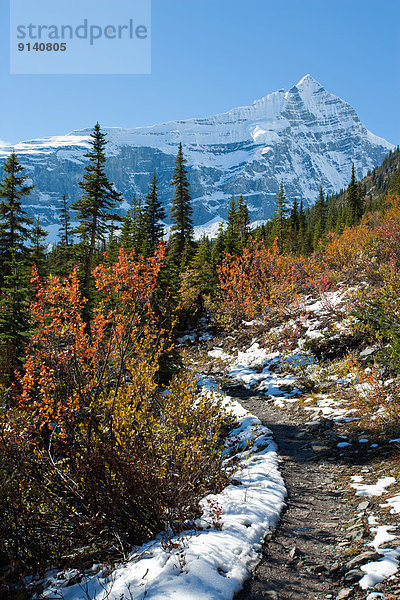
x: 279, y: 225
x: 38, y: 249
x: 181, y: 212
x: 14, y: 319
x: 153, y: 215
x: 353, y: 201
x: 231, y: 234
x: 99, y: 197
x: 294, y: 226
x: 65, y: 222
x: 243, y: 221
x: 14, y: 223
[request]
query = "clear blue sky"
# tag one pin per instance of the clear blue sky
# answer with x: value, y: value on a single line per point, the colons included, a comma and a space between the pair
x: 211, y: 55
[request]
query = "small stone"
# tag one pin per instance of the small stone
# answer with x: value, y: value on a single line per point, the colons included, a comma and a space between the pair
x: 363, y: 505
x: 353, y: 527
x: 335, y: 567
x: 357, y: 535
x: 294, y: 553
x: 366, y: 353
x: 344, y: 593
x: 319, y: 448
x: 271, y: 595
x: 319, y: 569
x: 353, y: 576
x: 364, y: 557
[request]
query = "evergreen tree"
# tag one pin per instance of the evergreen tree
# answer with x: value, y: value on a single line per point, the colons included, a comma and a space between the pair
x: 181, y: 212
x: 331, y: 218
x: 294, y: 226
x: 62, y: 257
x: 38, y: 249
x: 132, y: 232
x: 127, y: 231
x: 302, y: 219
x: 243, y: 221
x: 219, y: 248
x: 231, y: 234
x: 395, y: 182
x: 14, y: 319
x: 99, y: 197
x: 318, y: 218
x: 14, y: 224
x: 353, y: 201
x: 113, y: 244
x: 153, y: 215
x: 203, y: 277
x: 65, y: 223
x: 138, y: 224
x: 279, y: 221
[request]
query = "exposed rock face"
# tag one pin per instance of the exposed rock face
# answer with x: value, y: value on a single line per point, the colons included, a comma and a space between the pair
x: 305, y: 137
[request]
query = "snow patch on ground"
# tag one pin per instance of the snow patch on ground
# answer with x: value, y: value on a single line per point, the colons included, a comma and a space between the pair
x: 363, y: 489
x: 378, y: 570
x: 212, y: 561
x: 394, y: 502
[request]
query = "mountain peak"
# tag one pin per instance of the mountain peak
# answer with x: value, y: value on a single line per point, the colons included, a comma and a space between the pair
x: 309, y: 82
x: 305, y: 136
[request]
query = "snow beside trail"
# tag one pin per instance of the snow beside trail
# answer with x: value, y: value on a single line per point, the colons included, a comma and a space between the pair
x: 257, y: 368
x: 394, y: 502
x: 212, y: 562
x: 362, y: 489
x: 378, y: 570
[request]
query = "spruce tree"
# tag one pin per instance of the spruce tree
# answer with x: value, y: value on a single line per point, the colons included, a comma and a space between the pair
x: 318, y: 218
x: 138, y: 224
x: 279, y: 222
x: 38, y: 249
x: 219, y: 247
x: 353, y: 201
x: 65, y: 232
x: 14, y: 319
x: 395, y: 182
x: 99, y: 197
x: 127, y: 231
x: 14, y: 224
x: 132, y: 232
x: 181, y: 212
x: 331, y: 218
x: 294, y: 226
x: 231, y: 234
x: 153, y: 215
x: 203, y: 277
x: 243, y: 222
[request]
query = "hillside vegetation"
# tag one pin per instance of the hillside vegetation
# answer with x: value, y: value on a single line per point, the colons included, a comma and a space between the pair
x: 105, y: 439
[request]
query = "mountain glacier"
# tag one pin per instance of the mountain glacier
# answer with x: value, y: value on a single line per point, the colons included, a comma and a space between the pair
x: 305, y: 137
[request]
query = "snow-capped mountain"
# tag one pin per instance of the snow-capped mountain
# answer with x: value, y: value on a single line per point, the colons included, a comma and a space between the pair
x: 305, y: 137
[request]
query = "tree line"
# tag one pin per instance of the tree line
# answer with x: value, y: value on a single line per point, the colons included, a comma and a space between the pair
x: 190, y: 269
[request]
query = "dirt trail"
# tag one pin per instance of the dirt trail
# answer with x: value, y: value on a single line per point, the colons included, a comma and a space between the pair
x: 302, y: 559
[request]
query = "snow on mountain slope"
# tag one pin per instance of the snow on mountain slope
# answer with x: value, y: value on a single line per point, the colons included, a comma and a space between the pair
x: 305, y: 137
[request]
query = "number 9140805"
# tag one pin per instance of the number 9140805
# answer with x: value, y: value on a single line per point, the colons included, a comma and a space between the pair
x: 42, y: 47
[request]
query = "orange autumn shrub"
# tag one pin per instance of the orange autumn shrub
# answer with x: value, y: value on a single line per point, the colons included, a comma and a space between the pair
x: 375, y: 398
x: 260, y: 283
x: 95, y: 453
x: 348, y: 255
x: 358, y: 252
x: 69, y: 368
